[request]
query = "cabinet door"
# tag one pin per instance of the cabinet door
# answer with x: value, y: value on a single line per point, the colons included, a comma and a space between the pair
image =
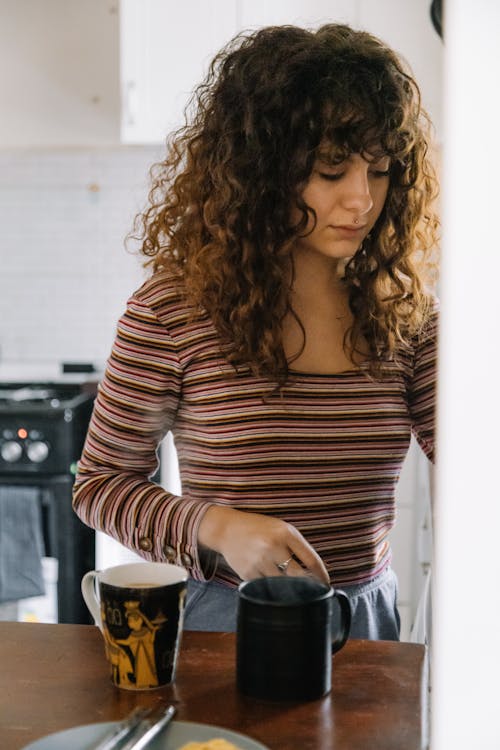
x: 166, y: 49
x: 306, y: 13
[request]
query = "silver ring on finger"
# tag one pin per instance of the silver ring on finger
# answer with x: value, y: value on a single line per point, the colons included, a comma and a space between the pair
x: 283, y: 566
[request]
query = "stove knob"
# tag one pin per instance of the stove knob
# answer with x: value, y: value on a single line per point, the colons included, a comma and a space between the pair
x: 11, y: 451
x: 37, y: 451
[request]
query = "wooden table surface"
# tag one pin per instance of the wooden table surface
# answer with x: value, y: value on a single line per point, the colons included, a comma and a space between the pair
x: 53, y: 677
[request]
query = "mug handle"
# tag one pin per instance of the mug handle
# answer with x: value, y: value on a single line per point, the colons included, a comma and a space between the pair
x: 345, y: 613
x: 90, y: 595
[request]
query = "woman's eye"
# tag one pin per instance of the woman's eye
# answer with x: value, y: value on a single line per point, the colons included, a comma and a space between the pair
x: 381, y: 172
x: 331, y: 176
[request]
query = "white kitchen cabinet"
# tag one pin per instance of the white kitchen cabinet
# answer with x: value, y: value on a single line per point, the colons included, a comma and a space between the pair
x: 166, y: 48
x: 256, y: 13
x: 104, y: 72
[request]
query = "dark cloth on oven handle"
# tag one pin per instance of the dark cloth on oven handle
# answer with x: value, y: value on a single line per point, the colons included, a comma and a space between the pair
x: 21, y: 543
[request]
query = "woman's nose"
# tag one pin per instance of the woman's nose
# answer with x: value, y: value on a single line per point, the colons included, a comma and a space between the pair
x: 357, y: 196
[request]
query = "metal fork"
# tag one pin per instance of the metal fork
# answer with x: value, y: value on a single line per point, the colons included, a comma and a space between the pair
x: 150, y: 727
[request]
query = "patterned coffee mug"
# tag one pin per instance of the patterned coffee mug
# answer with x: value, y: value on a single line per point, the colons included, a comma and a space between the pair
x: 139, y: 609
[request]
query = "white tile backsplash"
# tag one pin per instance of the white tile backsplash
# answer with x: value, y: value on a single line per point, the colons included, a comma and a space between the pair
x: 65, y: 274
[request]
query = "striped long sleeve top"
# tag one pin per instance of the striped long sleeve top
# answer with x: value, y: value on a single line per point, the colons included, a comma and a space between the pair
x: 324, y: 455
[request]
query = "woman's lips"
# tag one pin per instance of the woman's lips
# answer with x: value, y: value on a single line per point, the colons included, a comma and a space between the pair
x: 348, y: 226
x: 349, y: 231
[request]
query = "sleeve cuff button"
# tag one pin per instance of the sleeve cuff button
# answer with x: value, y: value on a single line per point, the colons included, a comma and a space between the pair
x: 145, y: 544
x: 169, y: 553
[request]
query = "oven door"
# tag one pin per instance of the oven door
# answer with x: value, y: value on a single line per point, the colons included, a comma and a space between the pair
x: 65, y: 538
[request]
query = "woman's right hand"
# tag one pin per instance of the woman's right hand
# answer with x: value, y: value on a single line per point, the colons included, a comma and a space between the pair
x: 254, y: 544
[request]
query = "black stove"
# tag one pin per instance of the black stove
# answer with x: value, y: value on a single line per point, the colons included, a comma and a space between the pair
x: 42, y: 431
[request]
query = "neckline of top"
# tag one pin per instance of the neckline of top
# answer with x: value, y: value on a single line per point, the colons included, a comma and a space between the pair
x: 352, y: 371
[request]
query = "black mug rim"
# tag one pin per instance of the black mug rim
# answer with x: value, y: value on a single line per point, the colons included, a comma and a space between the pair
x: 320, y: 597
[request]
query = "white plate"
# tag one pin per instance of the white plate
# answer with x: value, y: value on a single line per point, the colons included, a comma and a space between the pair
x: 178, y: 734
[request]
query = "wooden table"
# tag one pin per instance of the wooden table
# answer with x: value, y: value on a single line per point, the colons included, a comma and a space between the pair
x: 53, y: 677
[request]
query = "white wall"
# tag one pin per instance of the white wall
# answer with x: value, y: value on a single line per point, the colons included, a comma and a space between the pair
x: 65, y: 275
x: 467, y: 602
x: 60, y: 72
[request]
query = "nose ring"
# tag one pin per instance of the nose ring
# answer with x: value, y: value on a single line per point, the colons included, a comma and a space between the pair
x: 355, y: 221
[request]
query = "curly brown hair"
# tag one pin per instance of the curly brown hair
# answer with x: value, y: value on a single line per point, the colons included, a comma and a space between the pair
x: 219, y: 213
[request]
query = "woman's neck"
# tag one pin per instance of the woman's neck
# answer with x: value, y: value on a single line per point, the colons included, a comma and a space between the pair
x: 317, y: 281
x: 314, y: 330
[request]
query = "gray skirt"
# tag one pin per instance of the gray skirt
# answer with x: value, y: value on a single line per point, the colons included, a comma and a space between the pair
x: 213, y: 606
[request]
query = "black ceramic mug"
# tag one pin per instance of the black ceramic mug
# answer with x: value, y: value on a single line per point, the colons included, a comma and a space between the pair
x: 287, y: 629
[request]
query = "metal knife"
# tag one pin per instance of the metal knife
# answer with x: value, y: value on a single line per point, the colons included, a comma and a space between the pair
x: 149, y: 728
x: 121, y: 731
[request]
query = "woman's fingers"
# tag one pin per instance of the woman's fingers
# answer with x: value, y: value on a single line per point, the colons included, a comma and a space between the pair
x: 294, y: 569
x: 271, y: 567
x: 298, y: 559
x: 291, y: 567
x: 307, y: 557
x: 314, y: 568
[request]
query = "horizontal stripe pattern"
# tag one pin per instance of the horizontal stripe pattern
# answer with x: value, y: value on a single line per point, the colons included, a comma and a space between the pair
x: 325, y: 454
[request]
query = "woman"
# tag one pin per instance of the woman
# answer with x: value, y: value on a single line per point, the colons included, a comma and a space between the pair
x: 285, y: 335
